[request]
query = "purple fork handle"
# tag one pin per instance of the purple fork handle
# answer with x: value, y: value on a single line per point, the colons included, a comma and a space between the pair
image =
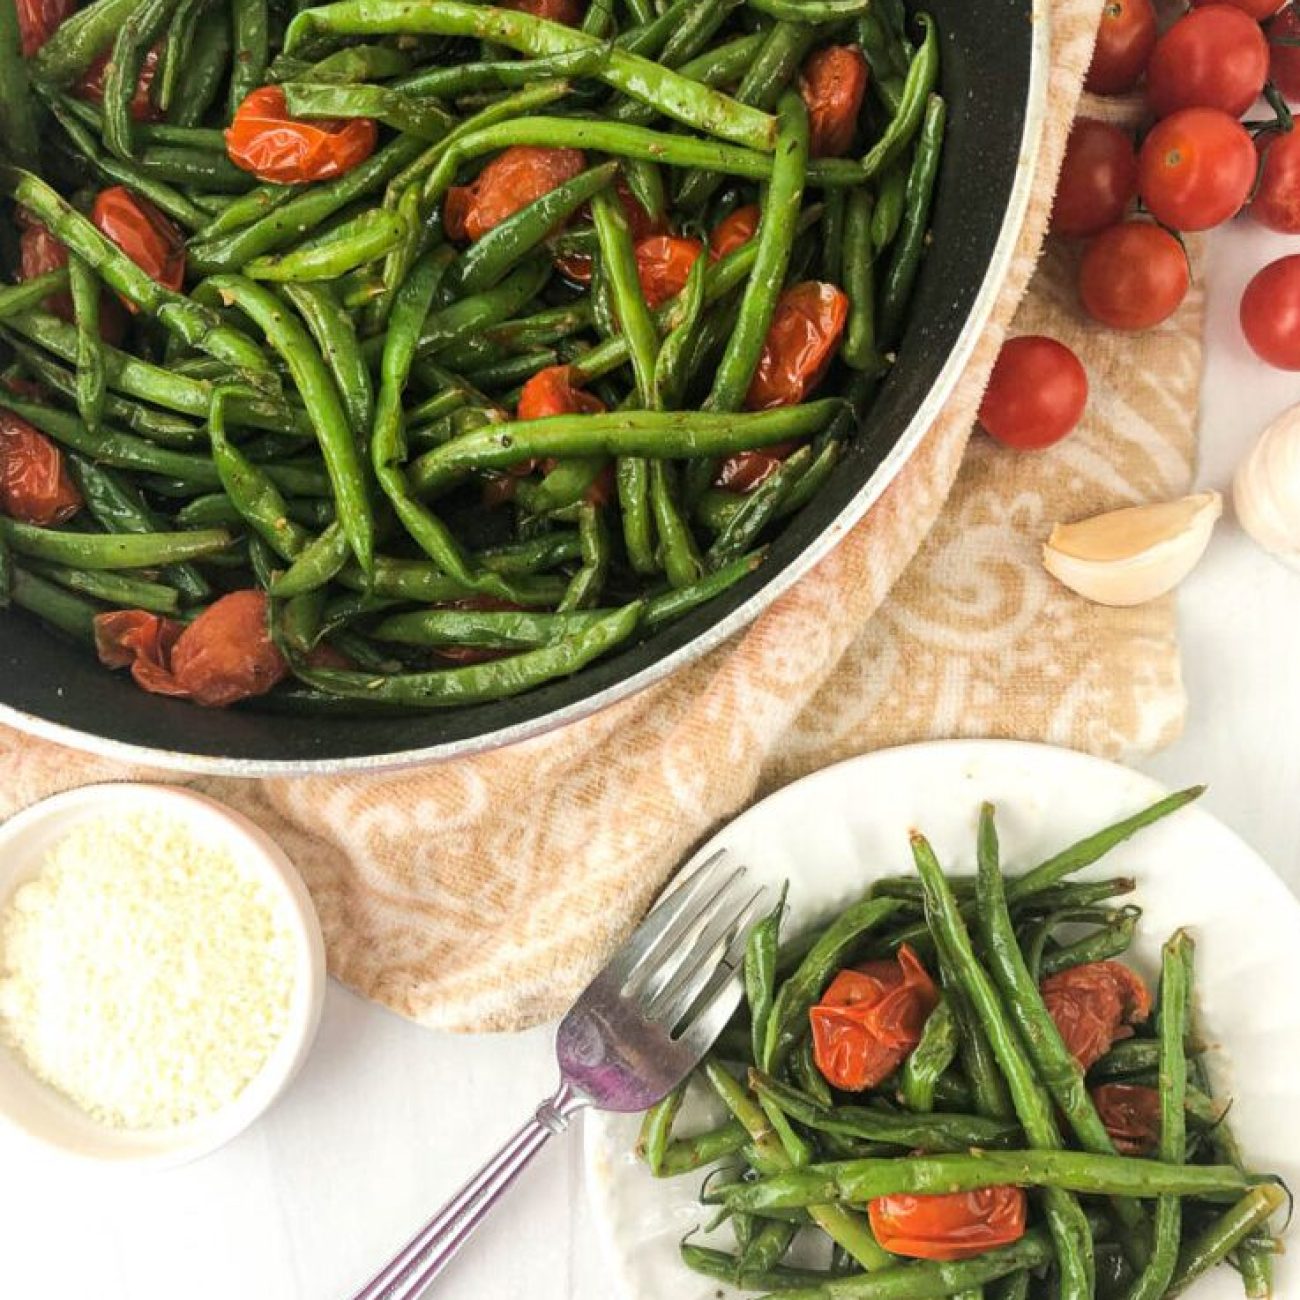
x: 411, y: 1270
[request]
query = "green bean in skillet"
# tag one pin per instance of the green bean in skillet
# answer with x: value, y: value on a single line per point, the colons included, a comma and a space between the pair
x: 204, y: 75
x: 61, y: 609
x: 15, y: 298
x: 335, y: 335
x: 421, y: 117
x: 143, y: 26
x: 106, y: 551
x: 618, y: 261
x: 327, y: 257
x: 79, y: 39
x: 176, y: 48
x: 250, y: 39
x: 18, y: 131
x: 112, y: 588
x: 91, y: 384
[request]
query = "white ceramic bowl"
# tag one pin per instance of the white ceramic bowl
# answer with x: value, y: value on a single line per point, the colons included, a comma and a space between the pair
x: 46, y: 1115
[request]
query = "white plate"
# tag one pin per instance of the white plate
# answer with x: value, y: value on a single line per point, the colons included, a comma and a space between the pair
x: 834, y: 832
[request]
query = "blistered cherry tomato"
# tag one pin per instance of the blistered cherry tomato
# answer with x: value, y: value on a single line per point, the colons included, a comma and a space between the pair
x: 745, y: 470
x: 39, y: 252
x: 577, y: 266
x: 552, y: 392
x: 1259, y: 10
x: 142, y: 232
x: 1098, y: 179
x: 734, y: 231
x: 568, y: 12
x: 663, y: 263
x: 263, y: 139
x: 1094, y: 1006
x: 800, y: 345
x: 1196, y: 168
x: 870, y: 1019
x: 143, y: 109
x: 35, y: 487
x: 833, y: 83
x: 1133, y: 276
x: 949, y: 1225
x: 1270, y: 313
x: 38, y: 20
x: 1131, y: 1114
x: 1213, y: 57
x: 1284, y: 59
x: 512, y: 180
x: 143, y: 642
x: 1036, y: 394
x: 1276, y: 201
x: 1125, y: 39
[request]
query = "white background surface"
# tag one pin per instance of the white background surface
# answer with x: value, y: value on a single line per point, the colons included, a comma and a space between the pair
x: 387, y: 1119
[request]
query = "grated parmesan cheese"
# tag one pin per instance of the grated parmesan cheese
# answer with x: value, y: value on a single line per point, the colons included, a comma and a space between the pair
x: 143, y: 973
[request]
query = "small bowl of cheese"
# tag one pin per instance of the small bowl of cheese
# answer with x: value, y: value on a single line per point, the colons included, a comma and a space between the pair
x: 162, y: 973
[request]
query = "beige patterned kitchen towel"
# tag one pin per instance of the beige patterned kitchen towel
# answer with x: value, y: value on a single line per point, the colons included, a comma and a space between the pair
x: 481, y: 894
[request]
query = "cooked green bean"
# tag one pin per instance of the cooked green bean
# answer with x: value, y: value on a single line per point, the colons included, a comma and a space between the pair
x: 343, y: 249
x: 929, y: 1060
x: 250, y: 24
x: 54, y: 605
x: 858, y: 277
x: 143, y: 25
x: 112, y: 588
x: 424, y: 118
x: 922, y: 76
x: 106, y: 551
x: 18, y: 134
x: 335, y: 335
x: 91, y: 383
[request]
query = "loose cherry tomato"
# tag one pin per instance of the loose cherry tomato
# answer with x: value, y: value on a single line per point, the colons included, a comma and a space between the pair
x: 833, y: 83
x: 1036, y: 394
x: 663, y: 263
x: 568, y: 12
x: 1131, y: 1115
x: 1133, y: 276
x: 263, y: 139
x: 800, y: 345
x: 1213, y: 57
x: 734, y: 231
x: 38, y: 19
x: 1125, y: 39
x: 949, y: 1225
x: 745, y: 470
x: 552, y: 392
x: 577, y: 266
x: 142, y: 232
x: 512, y: 180
x: 1276, y: 201
x: 1196, y: 168
x: 143, y: 109
x: 1098, y: 179
x: 1259, y: 10
x: 34, y: 484
x: 1094, y: 1005
x: 1283, y: 59
x: 870, y: 1019
x: 1270, y: 313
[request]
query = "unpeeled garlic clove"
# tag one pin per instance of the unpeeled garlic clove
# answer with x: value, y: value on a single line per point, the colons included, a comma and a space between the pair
x: 1130, y: 556
x: 1266, y: 491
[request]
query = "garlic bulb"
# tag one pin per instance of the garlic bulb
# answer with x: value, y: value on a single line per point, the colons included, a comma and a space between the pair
x: 1130, y: 556
x: 1266, y: 490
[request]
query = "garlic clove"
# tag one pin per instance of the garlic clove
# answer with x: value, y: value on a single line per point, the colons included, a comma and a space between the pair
x: 1130, y: 556
x: 1266, y: 491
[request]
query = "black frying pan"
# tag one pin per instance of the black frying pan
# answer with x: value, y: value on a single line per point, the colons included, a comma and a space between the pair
x: 994, y: 77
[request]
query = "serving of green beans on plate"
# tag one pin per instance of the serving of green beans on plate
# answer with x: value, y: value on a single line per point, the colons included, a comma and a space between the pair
x: 403, y: 354
x: 958, y: 1087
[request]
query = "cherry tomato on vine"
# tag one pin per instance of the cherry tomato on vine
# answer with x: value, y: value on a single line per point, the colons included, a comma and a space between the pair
x: 1133, y: 276
x: 1131, y: 1114
x: 512, y: 180
x: 1036, y: 394
x: 663, y: 263
x: 1259, y: 10
x: 1284, y: 60
x: 1125, y: 39
x: 1196, y: 168
x: 142, y: 232
x: 1276, y: 202
x: 1098, y: 179
x: 949, y: 1225
x: 800, y: 345
x: 38, y: 20
x: 35, y: 487
x: 263, y: 139
x: 91, y: 85
x: 1094, y: 1005
x: 734, y: 231
x: 1270, y: 313
x: 833, y: 83
x: 1213, y: 57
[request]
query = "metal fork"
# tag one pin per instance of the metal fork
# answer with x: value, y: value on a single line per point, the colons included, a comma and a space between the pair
x: 642, y: 1025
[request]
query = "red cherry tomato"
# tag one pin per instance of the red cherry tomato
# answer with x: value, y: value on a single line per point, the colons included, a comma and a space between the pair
x: 1276, y: 202
x: 577, y: 266
x: 1125, y: 39
x: 870, y: 1019
x: 38, y: 20
x: 1094, y: 1005
x: 833, y: 83
x: 568, y: 12
x: 1214, y: 57
x: 734, y: 231
x: 142, y: 232
x: 34, y: 484
x: 91, y: 85
x: 663, y: 263
x: 1283, y: 59
x: 744, y: 471
x: 800, y: 345
x: 224, y: 656
x: 1196, y: 168
x: 512, y: 180
x: 1036, y: 393
x: 552, y: 392
x: 1133, y: 276
x: 263, y: 139
x: 949, y: 1225
x: 1098, y: 179
x: 1259, y: 10
x: 1131, y: 1115
x: 1270, y: 313
x: 39, y: 252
